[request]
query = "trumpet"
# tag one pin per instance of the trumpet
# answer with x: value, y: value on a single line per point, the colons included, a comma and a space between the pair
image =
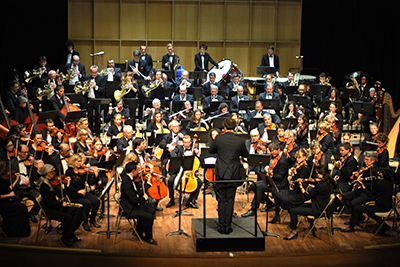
x: 153, y: 85
x: 126, y: 88
x: 105, y: 71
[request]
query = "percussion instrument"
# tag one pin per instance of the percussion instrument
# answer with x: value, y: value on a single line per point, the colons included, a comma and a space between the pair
x: 224, y: 74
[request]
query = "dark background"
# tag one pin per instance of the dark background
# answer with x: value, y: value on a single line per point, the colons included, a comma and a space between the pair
x: 337, y: 37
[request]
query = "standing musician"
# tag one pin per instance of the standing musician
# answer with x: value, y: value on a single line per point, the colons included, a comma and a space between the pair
x: 157, y: 125
x: 14, y: 214
x: 126, y: 142
x: 290, y: 148
x: 271, y: 60
x: 324, y: 137
x: 229, y: 148
x: 128, y: 83
x: 347, y: 165
x: 69, y: 53
x: 79, y: 70
x: 137, y: 65
x: 82, y: 142
x: 113, y: 78
x: 197, y: 122
x: 146, y: 57
x: 231, y: 87
x: 269, y: 94
x: 134, y: 203
x: 57, y: 208
x: 320, y: 197
x: 44, y: 71
x: 207, y: 86
x: 28, y: 173
x: 277, y: 170
x: 301, y: 131
x: 10, y: 99
x: 119, y: 109
x: 169, y: 142
x: 382, y: 153
x: 170, y: 61
x: 186, y: 149
x: 280, y: 137
x: 202, y: 59
x: 79, y: 189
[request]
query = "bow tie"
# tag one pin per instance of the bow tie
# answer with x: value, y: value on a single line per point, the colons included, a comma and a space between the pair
x: 271, y: 56
x: 21, y: 161
x: 137, y: 62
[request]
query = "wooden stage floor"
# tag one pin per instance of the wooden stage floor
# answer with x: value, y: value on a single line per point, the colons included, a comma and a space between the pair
x: 179, y: 248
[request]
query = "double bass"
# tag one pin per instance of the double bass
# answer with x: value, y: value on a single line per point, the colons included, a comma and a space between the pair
x: 7, y: 123
x: 69, y: 127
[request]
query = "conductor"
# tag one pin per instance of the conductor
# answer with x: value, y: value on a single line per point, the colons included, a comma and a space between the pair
x: 228, y: 148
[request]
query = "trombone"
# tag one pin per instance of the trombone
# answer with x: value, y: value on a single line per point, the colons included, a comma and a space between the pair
x: 141, y: 74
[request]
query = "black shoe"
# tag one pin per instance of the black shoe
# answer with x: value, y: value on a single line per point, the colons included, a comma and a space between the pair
x: 74, y: 238
x: 94, y: 224
x: 86, y: 227
x: 170, y: 204
x: 275, y: 220
x: 347, y: 223
x: 33, y: 218
x: 221, y: 230
x: 384, y: 228
x: 249, y: 213
x: 159, y: 209
x: 228, y: 230
x: 267, y: 208
x: 191, y: 205
x: 66, y: 242
x: 151, y: 241
x: 348, y: 230
x: 290, y: 238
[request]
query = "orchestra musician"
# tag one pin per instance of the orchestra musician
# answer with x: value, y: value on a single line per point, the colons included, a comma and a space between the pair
x: 170, y: 61
x: 197, y: 122
x: 264, y: 126
x: 317, y: 157
x: 183, y: 96
x: 255, y: 145
x: 119, y: 109
x: 126, y: 142
x: 137, y: 65
x: 20, y: 135
x: 134, y: 204
x: 301, y: 131
x: 269, y: 94
x: 319, y: 195
x: 259, y: 111
x: 159, y: 91
x: 308, y: 110
x: 60, y: 160
x: 290, y: 81
x: 37, y: 147
x: 235, y: 102
x: 79, y: 192
x: 156, y: 103
x: 186, y: 149
x: 346, y: 165
x: 231, y: 87
x: 14, y: 214
x: 82, y: 142
x: 333, y: 107
x: 79, y: 70
x: 290, y: 148
x: 240, y: 127
x: 202, y: 59
x: 157, y: 125
x: 382, y: 153
x: 22, y: 111
x: 292, y: 111
x: 10, y: 99
x: 69, y: 53
x: 206, y: 89
x: 269, y: 80
x: 336, y: 133
x: 128, y: 83
x: 277, y: 170
x: 116, y: 128
x: 48, y: 131
x: 8, y: 150
x: 271, y: 60
x: 212, y: 134
x: 57, y: 103
x: 57, y: 208
x: 229, y: 148
x: 371, y: 136
x: 214, y: 97
x: 113, y: 78
x: 146, y: 57
x: 324, y: 137
x: 183, y: 80
x: 185, y: 115
x: 43, y: 69
x: 323, y: 79
x: 280, y: 137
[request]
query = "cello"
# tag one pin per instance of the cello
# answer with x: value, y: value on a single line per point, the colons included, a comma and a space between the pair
x: 7, y: 123
x: 69, y: 128
x: 189, y: 181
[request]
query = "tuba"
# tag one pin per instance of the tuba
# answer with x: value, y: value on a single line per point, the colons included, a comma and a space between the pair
x: 147, y: 89
x: 118, y: 94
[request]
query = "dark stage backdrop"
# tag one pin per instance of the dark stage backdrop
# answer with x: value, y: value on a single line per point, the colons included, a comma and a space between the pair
x: 342, y: 36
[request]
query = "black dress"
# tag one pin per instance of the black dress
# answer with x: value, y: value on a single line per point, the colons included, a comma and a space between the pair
x: 15, y: 214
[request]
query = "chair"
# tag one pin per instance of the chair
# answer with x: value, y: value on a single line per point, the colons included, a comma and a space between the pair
x: 326, y: 217
x: 121, y: 215
x: 42, y: 213
x: 391, y: 213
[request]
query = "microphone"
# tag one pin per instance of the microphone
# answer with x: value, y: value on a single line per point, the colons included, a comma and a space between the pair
x: 97, y: 54
x: 299, y: 57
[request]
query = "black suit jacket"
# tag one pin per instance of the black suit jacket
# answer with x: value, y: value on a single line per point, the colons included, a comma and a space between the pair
x: 34, y: 175
x: 122, y: 143
x: 131, y: 198
x: 207, y: 88
x: 11, y: 101
x: 165, y: 59
x: 100, y: 83
x: 178, y: 97
x: 55, y: 104
x: 143, y: 68
x: 207, y: 101
x: 229, y: 88
x: 148, y: 60
x: 65, y: 58
x: 280, y: 173
x: 265, y: 61
x: 81, y: 69
x: 228, y: 148
x: 207, y: 58
x: 167, y: 139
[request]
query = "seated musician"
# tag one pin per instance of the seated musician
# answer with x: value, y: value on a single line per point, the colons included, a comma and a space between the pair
x: 269, y: 94
x: 185, y: 149
x: 14, y: 214
x: 222, y: 111
x: 259, y: 111
x: 323, y: 79
x: 292, y: 111
x: 382, y: 193
x: 119, y: 109
x: 335, y: 131
x: 333, y: 107
x: 240, y: 126
x: 8, y: 150
x: 212, y: 134
x: 157, y: 125
x: 206, y: 90
x: 169, y: 142
x: 346, y: 165
x: 324, y: 137
x: 333, y: 95
x: 231, y: 87
x: 383, y: 154
x: 290, y: 81
x: 255, y: 145
x: 60, y: 160
x: 302, y: 131
x: 197, y: 122
x: 308, y: 110
x: 156, y: 103
x: 37, y: 147
x: 83, y: 123
x: 369, y: 174
x: 183, y: 81
x: 183, y: 96
x: 317, y: 157
x: 82, y: 142
x: 49, y: 131
x: 134, y: 204
x: 373, y: 133
x: 214, y: 97
x: 320, y: 197
x: 280, y: 137
x: 185, y: 115
x: 126, y: 142
x: 363, y: 118
x: 235, y: 102
x: 266, y: 125
x: 346, y: 138
x: 269, y: 80
x: 57, y: 103
x: 277, y: 170
x: 116, y: 128
x: 290, y: 148
x: 28, y: 174
x: 79, y: 192
x: 22, y: 111
x: 20, y: 135
x: 57, y: 208
x: 167, y: 84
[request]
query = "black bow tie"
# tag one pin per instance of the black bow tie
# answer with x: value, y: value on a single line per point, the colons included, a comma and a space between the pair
x: 21, y: 161
x: 137, y: 62
x: 270, y: 55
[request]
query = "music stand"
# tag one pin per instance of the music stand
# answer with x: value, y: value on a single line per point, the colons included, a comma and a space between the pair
x: 271, y: 104
x: 317, y: 89
x: 364, y: 108
x: 178, y: 105
x: 217, y: 122
x: 258, y: 159
x: 197, y: 75
x: 214, y: 106
x: 369, y: 146
x: 244, y: 136
x: 254, y: 122
x: 170, y: 74
x: 350, y: 93
x: 290, y: 123
x: 291, y: 90
x: 271, y: 134
x: 247, y: 105
x: 197, y: 92
x: 159, y: 138
x: 74, y: 116
x: 179, y: 165
x: 261, y: 70
x: 324, y: 105
x: 44, y: 115
x: 299, y: 100
x: 313, y: 134
x: 74, y: 98
x: 202, y: 137
x: 103, y: 193
x: 269, y: 183
x: 131, y: 103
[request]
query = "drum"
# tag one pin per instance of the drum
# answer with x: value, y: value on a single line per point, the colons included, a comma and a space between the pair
x: 250, y: 83
x: 309, y: 78
x: 281, y: 79
x: 223, y: 75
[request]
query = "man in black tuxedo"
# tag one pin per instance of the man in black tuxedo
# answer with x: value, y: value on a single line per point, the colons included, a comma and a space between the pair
x: 112, y: 78
x: 137, y: 64
x: 59, y: 160
x: 79, y: 70
x: 156, y: 103
x: 134, y: 204
x: 231, y: 87
x: 258, y: 112
x: 159, y: 91
x: 43, y: 69
x: 68, y: 55
x: 50, y: 80
x: 56, y: 103
x: 214, y: 97
x: 183, y: 96
x: 229, y: 148
x: 290, y: 81
x: 235, y: 103
x: 202, y: 59
x: 10, y: 99
x: 170, y: 60
x: 271, y: 60
x: 127, y: 140
x: 207, y: 86
x: 269, y: 94
x: 146, y: 57
x: 308, y: 110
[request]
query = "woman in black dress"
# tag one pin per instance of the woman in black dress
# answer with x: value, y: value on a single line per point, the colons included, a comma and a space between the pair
x: 116, y: 130
x: 157, y: 125
x: 302, y: 131
x: 81, y: 146
x: 119, y: 109
x: 195, y: 121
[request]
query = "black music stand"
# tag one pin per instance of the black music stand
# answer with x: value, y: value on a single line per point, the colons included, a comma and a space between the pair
x: 197, y: 75
x: 159, y: 138
x: 244, y: 136
x: 258, y: 159
x: 217, y: 122
x: 247, y: 105
x: 74, y: 98
x: 271, y: 134
x: 364, y: 108
x: 179, y: 105
x: 170, y: 74
x: 179, y: 165
x: 131, y: 103
x: 74, y: 116
x: 254, y: 122
x: 313, y: 134
x: 369, y: 146
x: 299, y: 100
x: 44, y: 115
x: 105, y: 191
x: 214, y: 106
x: 317, y: 89
x: 261, y: 70
x: 202, y: 137
x: 269, y: 183
x: 324, y: 105
x: 271, y: 104
x: 291, y: 90
x: 290, y: 123
x: 97, y: 104
x: 350, y: 93
x: 197, y: 92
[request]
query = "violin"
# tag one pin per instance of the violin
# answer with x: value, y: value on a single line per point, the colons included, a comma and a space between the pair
x: 7, y: 175
x: 13, y: 153
x: 43, y: 147
x: 90, y: 170
x: 31, y: 161
x: 26, y: 137
x: 104, y: 151
x: 56, y: 180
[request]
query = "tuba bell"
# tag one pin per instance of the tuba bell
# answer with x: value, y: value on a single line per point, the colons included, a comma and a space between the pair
x: 147, y: 89
x: 118, y: 94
